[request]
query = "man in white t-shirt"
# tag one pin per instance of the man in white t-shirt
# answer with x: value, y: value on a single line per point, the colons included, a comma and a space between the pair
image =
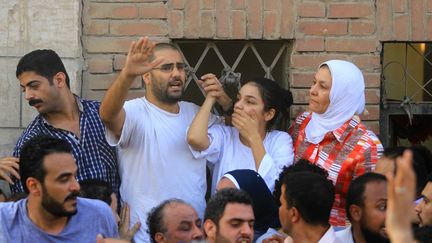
x: 150, y: 132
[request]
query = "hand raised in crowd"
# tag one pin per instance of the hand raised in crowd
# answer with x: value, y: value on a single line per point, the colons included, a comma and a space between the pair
x: 127, y: 233
x: 212, y: 87
x: 139, y: 56
x: 247, y: 124
x: 9, y: 166
x: 401, y: 190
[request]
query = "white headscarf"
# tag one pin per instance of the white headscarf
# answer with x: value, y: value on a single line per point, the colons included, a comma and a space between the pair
x: 346, y: 99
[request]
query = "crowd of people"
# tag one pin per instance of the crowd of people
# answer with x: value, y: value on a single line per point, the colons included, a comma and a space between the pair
x: 135, y: 170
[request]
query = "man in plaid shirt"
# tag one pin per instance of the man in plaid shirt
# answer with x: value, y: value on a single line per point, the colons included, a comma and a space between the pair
x: 62, y: 114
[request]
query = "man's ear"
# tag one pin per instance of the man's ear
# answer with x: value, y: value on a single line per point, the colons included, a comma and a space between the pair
x: 146, y: 77
x: 295, y: 215
x: 159, y: 237
x: 59, y: 79
x: 210, y: 229
x: 34, y: 186
x: 356, y: 212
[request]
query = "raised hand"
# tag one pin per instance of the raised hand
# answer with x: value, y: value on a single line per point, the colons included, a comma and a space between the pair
x: 127, y: 233
x: 211, y: 85
x: 213, y: 89
x: 139, y: 56
x: 401, y: 191
x: 9, y: 166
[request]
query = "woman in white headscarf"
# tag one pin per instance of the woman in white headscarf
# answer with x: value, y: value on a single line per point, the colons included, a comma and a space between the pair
x: 331, y: 134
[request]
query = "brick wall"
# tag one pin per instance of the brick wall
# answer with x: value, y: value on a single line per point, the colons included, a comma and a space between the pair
x: 320, y: 30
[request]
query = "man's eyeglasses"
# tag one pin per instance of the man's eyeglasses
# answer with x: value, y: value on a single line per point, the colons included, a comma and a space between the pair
x: 169, y: 67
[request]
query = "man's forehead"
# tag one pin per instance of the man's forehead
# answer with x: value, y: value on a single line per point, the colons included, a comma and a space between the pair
x: 169, y: 54
x: 238, y: 211
x: 375, y: 190
x: 29, y: 76
x: 58, y: 163
x: 179, y: 211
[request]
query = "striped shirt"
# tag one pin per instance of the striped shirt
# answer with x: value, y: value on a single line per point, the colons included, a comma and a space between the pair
x: 94, y: 157
x: 346, y: 153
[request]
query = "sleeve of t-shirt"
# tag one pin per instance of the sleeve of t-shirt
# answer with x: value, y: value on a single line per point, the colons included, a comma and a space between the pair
x: 212, y: 154
x: 112, y: 227
x: 279, y: 153
x: 215, y: 119
x: 131, y: 112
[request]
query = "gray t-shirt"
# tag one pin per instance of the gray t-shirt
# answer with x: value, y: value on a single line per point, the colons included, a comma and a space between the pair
x: 93, y: 217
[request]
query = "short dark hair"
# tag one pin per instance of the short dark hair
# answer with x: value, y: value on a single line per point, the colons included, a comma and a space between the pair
x: 33, y: 153
x: 96, y: 189
x: 274, y: 97
x: 312, y: 195
x: 302, y: 165
x: 423, y: 234
x: 45, y: 63
x: 216, y: 205
x: 155, y: 222
x: 164, y: 46
x: 355, y: 194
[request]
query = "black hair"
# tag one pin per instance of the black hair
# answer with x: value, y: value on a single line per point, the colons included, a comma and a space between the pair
x: 96, y: 189
x: 312, y: 195
x: 155, y: 218
x: 216, y: 205
x: 423, y: 234
x: 33, y: 153
x: 274, y: 97
x: 301, y: 165
x: 45, y: 63
x: 357, y: 187
x: 164, y: 46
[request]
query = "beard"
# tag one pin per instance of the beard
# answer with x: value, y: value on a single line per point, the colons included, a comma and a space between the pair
x: 222, y: 239
x: 161, y: 91
x: 56, y: 208
x: 372, y: 237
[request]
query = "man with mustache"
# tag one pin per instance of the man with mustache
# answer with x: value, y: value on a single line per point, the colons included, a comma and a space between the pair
x: 62, y: 114
x: 52, y: 211
x: 366, y: 204
x: 229, y: 217
x: 150, y: 132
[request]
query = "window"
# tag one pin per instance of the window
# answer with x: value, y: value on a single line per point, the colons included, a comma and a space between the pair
x: 233, y: 62
x: 406, y: 94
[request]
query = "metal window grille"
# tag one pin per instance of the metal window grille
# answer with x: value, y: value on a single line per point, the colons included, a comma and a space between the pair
x: 233, y: 61
x: 406, y: 91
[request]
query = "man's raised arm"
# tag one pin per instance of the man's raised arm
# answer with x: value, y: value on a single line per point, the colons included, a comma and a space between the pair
x: 138, y: 62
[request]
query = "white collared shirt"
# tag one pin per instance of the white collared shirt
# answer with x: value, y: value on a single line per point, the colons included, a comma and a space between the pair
x: 329, y: 236
x: 345, y: 235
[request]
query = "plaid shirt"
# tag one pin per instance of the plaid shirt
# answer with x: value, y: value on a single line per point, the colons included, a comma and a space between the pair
x: 347, y: 152
x: 95, y: 158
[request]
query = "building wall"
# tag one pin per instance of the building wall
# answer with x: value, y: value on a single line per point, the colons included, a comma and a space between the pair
x: 94, y: 35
